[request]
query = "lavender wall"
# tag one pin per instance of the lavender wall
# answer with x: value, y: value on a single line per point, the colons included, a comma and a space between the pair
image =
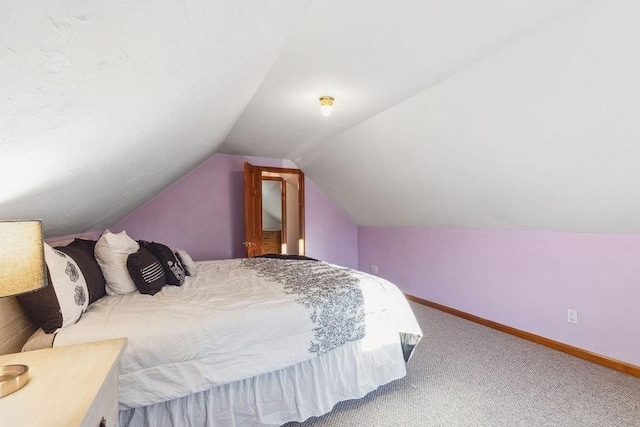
x: 522, y: 279
x: 203, y: 213
x: 331, y: 235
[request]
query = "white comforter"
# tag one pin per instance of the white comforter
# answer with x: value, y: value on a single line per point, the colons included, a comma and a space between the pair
x: 223, y: 325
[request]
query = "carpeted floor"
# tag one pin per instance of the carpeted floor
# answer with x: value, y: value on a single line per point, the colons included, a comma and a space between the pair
x: 464, y: 374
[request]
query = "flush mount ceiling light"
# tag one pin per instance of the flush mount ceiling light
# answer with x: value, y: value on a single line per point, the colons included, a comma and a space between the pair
x: 326, y: 105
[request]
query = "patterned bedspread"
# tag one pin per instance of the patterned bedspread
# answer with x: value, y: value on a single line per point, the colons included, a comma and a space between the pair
x: 331, y: 293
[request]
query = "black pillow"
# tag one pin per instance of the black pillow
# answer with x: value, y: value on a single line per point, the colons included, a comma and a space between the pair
x: 146, y: 272
x: 42, y: 307
x: 173, y: 270
x: 88, y: 245
x: 82, y: 253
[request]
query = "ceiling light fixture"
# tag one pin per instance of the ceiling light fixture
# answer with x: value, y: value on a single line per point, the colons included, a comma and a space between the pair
x: 326, y: 105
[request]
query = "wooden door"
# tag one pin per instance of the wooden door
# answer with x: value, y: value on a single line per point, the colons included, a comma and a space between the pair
x: 252, y: 210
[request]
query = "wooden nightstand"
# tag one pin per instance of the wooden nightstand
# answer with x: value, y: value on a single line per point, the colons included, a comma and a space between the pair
x: 74, y: 385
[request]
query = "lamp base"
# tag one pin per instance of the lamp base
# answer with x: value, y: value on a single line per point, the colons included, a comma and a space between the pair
x: 13, y: 378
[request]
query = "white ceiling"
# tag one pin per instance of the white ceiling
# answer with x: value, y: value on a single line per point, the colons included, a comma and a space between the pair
x: 104, y: 104
x: 493, y: 114
x: 371, y: 55
x: 542, y: 134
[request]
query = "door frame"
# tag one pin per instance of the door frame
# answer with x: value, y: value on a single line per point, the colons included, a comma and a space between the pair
x: 256, y: 238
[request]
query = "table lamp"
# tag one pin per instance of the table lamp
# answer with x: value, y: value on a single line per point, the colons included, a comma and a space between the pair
x: 22, y: 269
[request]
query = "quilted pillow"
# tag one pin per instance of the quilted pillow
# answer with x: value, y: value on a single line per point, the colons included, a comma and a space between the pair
x: 173, y: 270
x: 146, y: 272
x: 82, y: 253
x: 112, y: 251
x: 63, y: 300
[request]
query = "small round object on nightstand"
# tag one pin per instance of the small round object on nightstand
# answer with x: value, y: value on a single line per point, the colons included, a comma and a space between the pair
x: 13, y: 378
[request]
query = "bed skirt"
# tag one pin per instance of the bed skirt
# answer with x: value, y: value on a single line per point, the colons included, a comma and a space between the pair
x: 310, y: 388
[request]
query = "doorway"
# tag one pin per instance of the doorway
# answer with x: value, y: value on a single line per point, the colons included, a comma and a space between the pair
x: 274, y: 210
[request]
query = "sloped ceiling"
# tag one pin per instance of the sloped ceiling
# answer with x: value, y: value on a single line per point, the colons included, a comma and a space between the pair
x: 540, y: 135
x: 472, y: 114
x: 490, y: 114
x: 103, y: 104
x: 371, y: 55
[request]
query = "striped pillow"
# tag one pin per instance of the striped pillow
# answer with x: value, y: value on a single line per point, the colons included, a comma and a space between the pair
x: 146, y: 272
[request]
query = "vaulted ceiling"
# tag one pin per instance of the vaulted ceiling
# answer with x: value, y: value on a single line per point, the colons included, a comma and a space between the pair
x: 493, y: 114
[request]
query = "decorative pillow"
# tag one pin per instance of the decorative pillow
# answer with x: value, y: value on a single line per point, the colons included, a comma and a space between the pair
x: 82, y: 253
x: 146, y: 272
x: 111, y: 252
x: 187, y: 262
x: 62, y: 302
x: 88, y: 245
x: 173, y: 270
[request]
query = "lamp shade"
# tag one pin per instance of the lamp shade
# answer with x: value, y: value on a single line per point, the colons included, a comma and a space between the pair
x: 22, y: 266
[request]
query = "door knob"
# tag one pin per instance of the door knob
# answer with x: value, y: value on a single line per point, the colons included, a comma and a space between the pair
x: 246, y: 244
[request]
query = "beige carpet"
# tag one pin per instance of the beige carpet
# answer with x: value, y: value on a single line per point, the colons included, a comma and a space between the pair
x: 464, y: 374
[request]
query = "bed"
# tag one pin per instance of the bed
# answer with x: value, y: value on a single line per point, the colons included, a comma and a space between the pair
x: 252, y: 342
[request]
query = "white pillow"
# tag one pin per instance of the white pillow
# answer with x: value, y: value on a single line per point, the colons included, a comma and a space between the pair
x: 186, y: 261
x: 69, y: 285
x: 112, y: 251
x: 62, y: 302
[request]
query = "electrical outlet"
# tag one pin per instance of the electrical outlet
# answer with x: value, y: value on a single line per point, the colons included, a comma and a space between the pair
x: 572, y: 316
x: 374, y: 269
